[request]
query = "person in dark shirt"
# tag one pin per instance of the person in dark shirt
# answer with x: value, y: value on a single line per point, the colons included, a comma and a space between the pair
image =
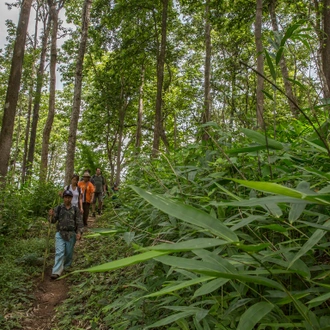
x: 69, y: 228
x: 99, y: 183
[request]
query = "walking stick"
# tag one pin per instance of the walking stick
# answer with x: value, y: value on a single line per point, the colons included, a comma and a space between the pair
x: 47, y: 248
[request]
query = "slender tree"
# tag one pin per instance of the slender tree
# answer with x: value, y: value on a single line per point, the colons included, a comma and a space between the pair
x: 159, y: 128
x: 69, y: 168
x: 138, y: 137
x: 283, y: 66
x: 38, y: 90
x: 14, y: 82
x: 260, y: 64
x: 52, y: 90
x: 325, y: 45
x: 207, y: 70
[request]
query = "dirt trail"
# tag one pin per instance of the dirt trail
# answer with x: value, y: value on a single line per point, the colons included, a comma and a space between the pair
x: 48, y: 295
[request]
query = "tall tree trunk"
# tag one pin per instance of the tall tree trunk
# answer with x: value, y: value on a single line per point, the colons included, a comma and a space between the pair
x: 260, y: 65
x: 325, y: 46
x: 37, y: 98
x: 28, y: 120
x: 52, y: 91
x: 207, y: 71
x: 27, y: 133
x: 121, y: 115
x: 8, y: 120
x: 138, y: 139
x: 284, y: 68
x: 69, y: 168
x: 158, y: 129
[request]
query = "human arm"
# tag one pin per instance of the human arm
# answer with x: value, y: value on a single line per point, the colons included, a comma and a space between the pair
x: 80, y: 202
x: 79, y: 225
x: 53, y: 214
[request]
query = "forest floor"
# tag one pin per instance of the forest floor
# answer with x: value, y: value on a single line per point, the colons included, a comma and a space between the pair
x: 47, y: 296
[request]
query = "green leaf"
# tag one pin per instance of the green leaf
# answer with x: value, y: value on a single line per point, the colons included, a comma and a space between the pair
x: 260, y: 138
x: 270, y: 65
x: 253, y: 248
x: 253, y: 315
x: 197, y: 243
x: 186, y: 284
x: 312, y: 241
x: 123, y: 262
x: 188, y: 214
x: 320, y: 299
x: 279, y: 55
x: 206, y: 268
x: 275, y: 227
x: 275, y: 188
x: 210, y: 287
x: 289, y: 32
x: 171, y: 319
x: 268, y: 95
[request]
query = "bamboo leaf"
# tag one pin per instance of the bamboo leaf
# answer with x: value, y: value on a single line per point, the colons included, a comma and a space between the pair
x: 188, y: 214
x: 270, y: 65
x: 186, y: 284
x: 171, y: 319
x: 123, y: 262
x: 253, y: 315
x: 275, y: 188
x: 210, y: 287
x: 312, y: 241
x: 320, y: 299
x: 260, y: 138
x: 198, y: 243
x: 206, y: 268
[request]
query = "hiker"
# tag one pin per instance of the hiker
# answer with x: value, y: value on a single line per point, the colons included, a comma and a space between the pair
x: 76, y: 191
x: 87, y: 189
x: 68, y: 230
x: 100, y: 190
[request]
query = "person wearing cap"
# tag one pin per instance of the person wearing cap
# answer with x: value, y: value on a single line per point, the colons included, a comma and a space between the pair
x: 68, y: 229
x: 87, y: 189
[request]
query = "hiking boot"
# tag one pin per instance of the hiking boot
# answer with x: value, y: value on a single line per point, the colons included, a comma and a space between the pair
x: 93, y: 215
x: 54, y: 276
x: 99, y: 212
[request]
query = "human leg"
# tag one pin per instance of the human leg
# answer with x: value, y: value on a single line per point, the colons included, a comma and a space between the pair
x: 100, y: 203
x: 86, y: 213
x: 59, y: 254
x: 69, y: 246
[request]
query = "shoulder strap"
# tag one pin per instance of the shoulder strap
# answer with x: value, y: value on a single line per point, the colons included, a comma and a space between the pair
x: 68, y: 187
x: 58, y: 213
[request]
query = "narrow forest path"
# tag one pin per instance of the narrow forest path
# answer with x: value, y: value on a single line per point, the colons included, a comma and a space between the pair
x: 48, y: 295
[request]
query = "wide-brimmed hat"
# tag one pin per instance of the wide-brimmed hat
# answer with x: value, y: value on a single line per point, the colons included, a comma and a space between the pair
x: 86, y: 174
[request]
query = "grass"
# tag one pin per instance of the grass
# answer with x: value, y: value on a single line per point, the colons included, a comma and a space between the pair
x: 20, y: 264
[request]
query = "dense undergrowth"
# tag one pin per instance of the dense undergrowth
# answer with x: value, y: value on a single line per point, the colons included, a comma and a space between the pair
x: 23, y: 233
x: 232, y: 236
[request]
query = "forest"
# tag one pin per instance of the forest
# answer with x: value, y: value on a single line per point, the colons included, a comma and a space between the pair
x: 212, y: 118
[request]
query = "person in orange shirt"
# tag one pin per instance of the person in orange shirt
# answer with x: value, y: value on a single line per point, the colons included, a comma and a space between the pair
x: 87, y: 190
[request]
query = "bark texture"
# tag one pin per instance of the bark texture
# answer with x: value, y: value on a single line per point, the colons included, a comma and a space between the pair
x: 260, y: 65
x: 70, y: 156
x: 158, y: 128
x: 138, y: 137
x: 52, y: 91
x: 325, y: 45
x: 7, y: 128
x: 37, y: 98
x: 207, y: 72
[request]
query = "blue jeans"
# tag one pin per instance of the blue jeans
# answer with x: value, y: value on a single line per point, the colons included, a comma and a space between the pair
x: 63, y: 253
